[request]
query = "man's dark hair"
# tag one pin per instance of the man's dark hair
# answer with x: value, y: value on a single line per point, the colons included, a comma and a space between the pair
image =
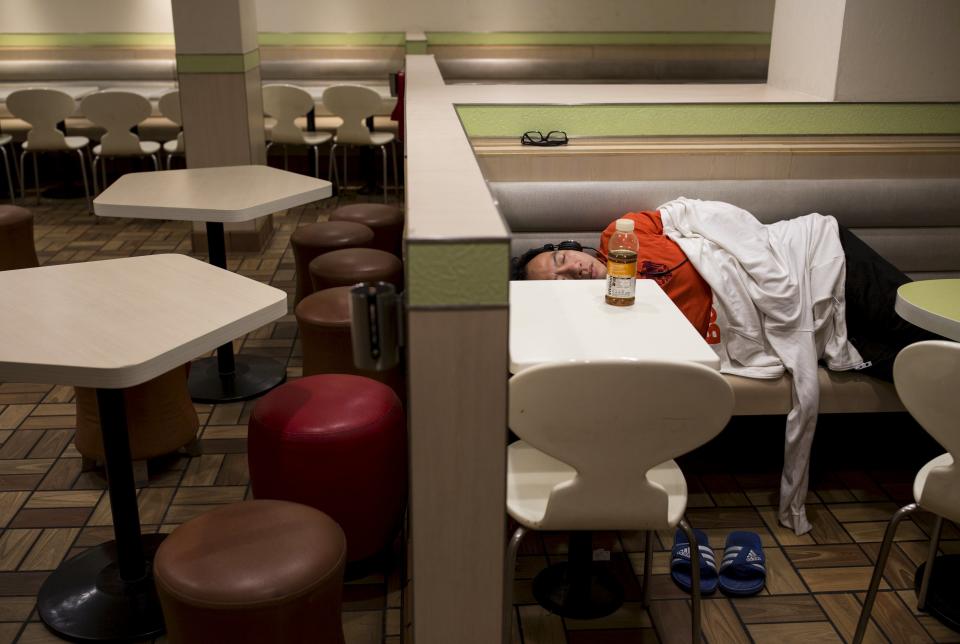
x: 518, y: 265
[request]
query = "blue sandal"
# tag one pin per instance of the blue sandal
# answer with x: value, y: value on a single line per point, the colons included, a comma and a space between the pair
x: 680, y: 565
x: 743, y: 570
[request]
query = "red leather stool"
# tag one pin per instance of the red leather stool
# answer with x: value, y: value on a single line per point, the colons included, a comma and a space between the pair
x: 385, y: 220
x: 313, y: 240
x: 336, y: 443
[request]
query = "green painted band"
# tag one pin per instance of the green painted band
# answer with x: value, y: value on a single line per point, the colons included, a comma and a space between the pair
x: 598, y: 38
x: 711, y: 119
x: 88, y: 40
x: 458, y: 274
x: 217, y: 63
x: 416, y: 47
x: 376, y: 39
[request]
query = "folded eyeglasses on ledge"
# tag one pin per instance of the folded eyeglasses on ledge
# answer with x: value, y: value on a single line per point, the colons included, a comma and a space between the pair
x: 553, y: 138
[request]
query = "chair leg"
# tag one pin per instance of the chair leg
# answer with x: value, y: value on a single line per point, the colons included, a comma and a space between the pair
x: 156, y: 162
x: 286, y: 165
x: 510, y: 566
x: 86, y: 182
x: 647, y: 568
x: 878, y: 567
x: 94, y: 163
x: 36, y: 175
x: 928, y: 569
x: 695, y: 581
x: 103, y: 171
x: 169, y: 161
x: 23, y: 167
x: 396, y: 175
x: 383, y: 151
x: 6, y: 165
x: 332, y: 168
x: 316, y: 161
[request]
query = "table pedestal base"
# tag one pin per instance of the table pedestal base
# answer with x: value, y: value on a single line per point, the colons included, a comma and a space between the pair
x: 252, y: 376
x: 943, y: 596
x: 85, y: 600
x: 579, y: 588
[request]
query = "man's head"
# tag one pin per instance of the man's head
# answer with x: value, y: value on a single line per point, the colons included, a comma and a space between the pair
x: 565, y: 261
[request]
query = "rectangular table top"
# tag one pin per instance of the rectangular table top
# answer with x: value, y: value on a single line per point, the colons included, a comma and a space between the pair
x: 564, y: 320
x: 224, y: 194
x: 121, y: 322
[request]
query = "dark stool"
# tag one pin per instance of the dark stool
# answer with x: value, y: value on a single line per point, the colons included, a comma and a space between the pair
x: 313, y: 240
x: 161, y: 418
x: 337, y: 443
x: 253, y: 572
x: 324, y: 322
x: 386, y: 222
x: 16, y: 239
x: 351, y: 265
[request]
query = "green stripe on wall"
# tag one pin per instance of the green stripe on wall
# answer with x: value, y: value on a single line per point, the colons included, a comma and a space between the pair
x: 729, y: 119
x: 597, y: 38
x: 329, y: 39
x: 458, y: 274
x: 217, y: 63
x: 87, y: 40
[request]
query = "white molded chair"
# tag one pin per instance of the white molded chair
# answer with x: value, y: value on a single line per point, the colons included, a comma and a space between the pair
x: 285, y: 103
x: 598, y: 439
x: 926, y: 375
x: 118, y: 112
x: 169, y: 106
x: 354, y: 104
x: 5, y: 140
x: 43, y: 109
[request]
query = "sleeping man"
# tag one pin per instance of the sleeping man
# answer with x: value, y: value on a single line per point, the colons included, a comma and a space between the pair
x: 769, y: 299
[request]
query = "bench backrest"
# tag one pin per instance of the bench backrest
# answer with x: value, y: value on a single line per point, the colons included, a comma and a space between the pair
x: 913, y: 223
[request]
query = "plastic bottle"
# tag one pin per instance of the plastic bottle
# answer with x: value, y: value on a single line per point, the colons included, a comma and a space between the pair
x: 622, y: 265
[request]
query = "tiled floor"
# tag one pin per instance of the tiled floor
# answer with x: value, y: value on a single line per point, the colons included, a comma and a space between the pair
x: 50, y: 510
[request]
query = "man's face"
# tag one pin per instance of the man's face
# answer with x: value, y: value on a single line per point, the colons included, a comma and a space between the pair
x: 565, y: 265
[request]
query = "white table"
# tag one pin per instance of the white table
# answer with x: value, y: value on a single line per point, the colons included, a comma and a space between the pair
x: 565, y: 320
x: 933, y: 305
x: 110, y: 325
x: 215, y: 196
x: 568, y: 320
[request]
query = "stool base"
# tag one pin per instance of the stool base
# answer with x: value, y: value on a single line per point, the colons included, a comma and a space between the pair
x: 85, y: 600
x: 254, y: 375
x: 943, y: 596
x: 596, y: 595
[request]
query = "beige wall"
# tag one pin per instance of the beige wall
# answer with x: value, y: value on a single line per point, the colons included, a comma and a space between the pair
x: 805, y: 46
x: 894, y: 50
x: 40, y: 16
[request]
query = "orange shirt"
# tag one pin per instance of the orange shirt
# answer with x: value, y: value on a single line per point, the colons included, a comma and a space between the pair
x: 684, y: 286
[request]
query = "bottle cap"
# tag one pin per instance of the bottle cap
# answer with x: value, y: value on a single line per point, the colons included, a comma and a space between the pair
x: 625, y: 225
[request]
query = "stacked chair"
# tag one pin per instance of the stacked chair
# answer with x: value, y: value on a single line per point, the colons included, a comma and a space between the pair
x: 286, y: 103
x: 118, y: 113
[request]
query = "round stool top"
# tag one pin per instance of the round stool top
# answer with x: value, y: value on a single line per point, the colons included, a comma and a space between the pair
x: 332, y: 234
x: 331, y: 406
x: 13, y: 215
x: 356, y: 265
x: 374, y: 215
x: 250, y: 554
x: 329, y: 307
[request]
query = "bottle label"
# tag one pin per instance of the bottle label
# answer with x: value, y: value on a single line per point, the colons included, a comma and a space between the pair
x: 621, y: 274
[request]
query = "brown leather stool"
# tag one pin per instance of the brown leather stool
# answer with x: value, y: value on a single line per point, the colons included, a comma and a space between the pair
x: 324, y: 322
x: 256, y: 571
x: 161, y: 418
x: 322, y: 237
x: 386, y: 222
x: 16, y: 239
x: 351, y: 265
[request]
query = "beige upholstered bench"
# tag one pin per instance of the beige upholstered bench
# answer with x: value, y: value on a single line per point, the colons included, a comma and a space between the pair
x: 913, y: 223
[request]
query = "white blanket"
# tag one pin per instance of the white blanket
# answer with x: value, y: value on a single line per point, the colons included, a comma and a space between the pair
x: 778, y: 291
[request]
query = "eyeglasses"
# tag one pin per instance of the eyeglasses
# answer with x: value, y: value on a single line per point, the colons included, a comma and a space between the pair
x: 553, y: 138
